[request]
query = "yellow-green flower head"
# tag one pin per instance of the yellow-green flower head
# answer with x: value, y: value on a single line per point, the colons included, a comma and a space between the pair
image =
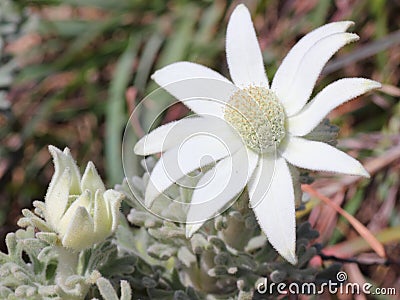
x: 79, y: 209
x: 256, y: 132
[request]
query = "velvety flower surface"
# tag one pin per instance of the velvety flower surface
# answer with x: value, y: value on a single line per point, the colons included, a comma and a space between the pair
x: 79, y: 209
x: 255, y: 130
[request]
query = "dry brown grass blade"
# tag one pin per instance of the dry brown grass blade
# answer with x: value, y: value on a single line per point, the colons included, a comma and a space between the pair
x: 358, y: 245
x: 374, y: 165
x: 360, y: 228
x: 390, y: 90
x: 131, y: 95
x: 368, y: 50
x: 324, y: 219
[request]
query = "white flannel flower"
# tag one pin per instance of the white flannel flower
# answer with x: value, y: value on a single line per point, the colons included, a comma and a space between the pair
x: 271, y: 121
x: 80, y: 210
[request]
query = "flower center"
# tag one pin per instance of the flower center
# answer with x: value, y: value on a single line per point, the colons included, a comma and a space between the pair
x: 258, y: 116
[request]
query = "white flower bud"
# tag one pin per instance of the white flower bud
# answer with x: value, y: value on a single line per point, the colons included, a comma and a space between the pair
x: 80, y: 210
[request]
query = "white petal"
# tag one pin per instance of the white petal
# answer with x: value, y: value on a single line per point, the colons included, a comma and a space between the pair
x: 84, y: 200
x: 197, y: 151
x: 101, y: 220
x: 113, y: 200
x: 261, y: 180
x: 201, y: 89
x: 56, y: 199
x: 172, y: 134
x: 80, y: 232
x: 285, y: 74
x: 63, y: 160
x: 321, y: 157
x: 243, y: 52
x: 274, y: 206
x: 296, y: 94
x: 91, y: 179
x: 219, y: 186
x: 330, y: 97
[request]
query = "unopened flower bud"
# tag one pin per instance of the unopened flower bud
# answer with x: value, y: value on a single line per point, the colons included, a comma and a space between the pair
x: 80, y: 210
